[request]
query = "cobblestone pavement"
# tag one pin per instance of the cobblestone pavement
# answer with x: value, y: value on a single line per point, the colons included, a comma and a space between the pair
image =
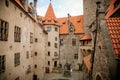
x: 75, y: 75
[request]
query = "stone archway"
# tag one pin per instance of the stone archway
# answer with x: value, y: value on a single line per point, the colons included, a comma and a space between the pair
x: 98, y: 77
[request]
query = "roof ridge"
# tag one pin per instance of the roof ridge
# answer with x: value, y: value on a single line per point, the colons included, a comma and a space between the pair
x: 50, y: 12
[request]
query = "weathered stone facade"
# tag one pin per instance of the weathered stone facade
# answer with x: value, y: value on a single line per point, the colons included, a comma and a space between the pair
x: 52, y: 55
x: 17, y: 16
x: 103, y: 60
x: 89, y: 9
x: 68, y: 51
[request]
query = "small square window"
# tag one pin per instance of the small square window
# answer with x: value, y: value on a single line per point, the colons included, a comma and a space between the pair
x: 48, y: 43
x: 55, y: 54
x: 49, y: 20
x: 55, y: 38
x: 35, y: 66
x: 56, y: 29
x: 35, y: 53
x: 74, y: 42
x: 48, y: 63
x: 76, y: 56
x: 36, y: 40
x: 6, y: 3
x: 48, y: 53
x: 27, y: 54
x: 48, y: 28
x: 55, y: 45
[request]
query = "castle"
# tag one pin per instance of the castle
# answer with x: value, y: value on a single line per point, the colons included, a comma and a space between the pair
x: 32, y: 45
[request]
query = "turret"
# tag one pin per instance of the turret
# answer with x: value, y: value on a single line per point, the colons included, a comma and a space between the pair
x: 25, y: 4
x: 34, y: 7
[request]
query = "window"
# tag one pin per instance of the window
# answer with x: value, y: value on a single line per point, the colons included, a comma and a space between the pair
x: 17, y: 59
x: 49, y: 20
x: 55, y: 45
x: 83, y: 43
x: 56, y: 29
x: 48, y: 53
x: 35, y: 53
x: 55, y: 54
x: 48, y: 63
x: 48, y: 28
x: 73, y: 42
x: 76, y: 56
x: 78, y: 21
x: 20, y: 14
x: 28, y: 69
x: 27, y: 54
x: 55, y: 38
x: 35, y: 66
x: 4, y: 26
x: 31, y: 37
x: 17, y: 34
x: 6, y: 3
x: 2, y: 63
x: 48, y: 43
x: 61, y: 41
x: 71, y: 29
x: 63, y: 22
x: 36, y: 40
x: 18, y: 78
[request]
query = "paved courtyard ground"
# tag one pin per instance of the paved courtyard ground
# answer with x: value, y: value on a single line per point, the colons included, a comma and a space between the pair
x: 75, y: 75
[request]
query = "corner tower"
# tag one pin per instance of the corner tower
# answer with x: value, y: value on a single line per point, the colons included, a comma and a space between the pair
x: 50, y: 25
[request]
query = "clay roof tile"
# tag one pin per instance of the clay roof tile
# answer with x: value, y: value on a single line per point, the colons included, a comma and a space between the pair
x: 86, y: 37
x: 113, y: 26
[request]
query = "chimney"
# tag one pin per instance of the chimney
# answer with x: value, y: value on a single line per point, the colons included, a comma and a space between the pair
x: 25, y: 4
x: 35, y: 5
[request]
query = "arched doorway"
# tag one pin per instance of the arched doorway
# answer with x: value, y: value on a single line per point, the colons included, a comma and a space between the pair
x: 34, y: 77
x: 98, y: 77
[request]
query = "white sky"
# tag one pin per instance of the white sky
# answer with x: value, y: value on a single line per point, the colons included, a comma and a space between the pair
x: 61, y: 7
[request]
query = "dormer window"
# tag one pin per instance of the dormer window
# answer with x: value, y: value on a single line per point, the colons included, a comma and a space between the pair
x: 78, y: 21
x: 49, y: 20
x: 63, y: 23
x: 48, y: 28
x: 71, y: 29
x: 55, y: 21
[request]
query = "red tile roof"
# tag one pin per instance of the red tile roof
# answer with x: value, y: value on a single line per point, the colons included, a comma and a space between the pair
x: 86, y: 37
x: 113, y: 26
x: 64, y: 25
x: 50, y: 18
x: 77, y: 22
x: 87, y: 61
x: 111, y: 9
x: 50, y: 12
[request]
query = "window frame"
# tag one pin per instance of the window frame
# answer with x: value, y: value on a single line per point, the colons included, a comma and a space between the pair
x: 17, y: 59
x: 17, y: 34
x: 74, y: 42
x: 2, y: 63
x: 4, y: 29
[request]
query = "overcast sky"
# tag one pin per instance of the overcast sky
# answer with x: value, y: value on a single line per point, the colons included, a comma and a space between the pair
x: 61, y: 7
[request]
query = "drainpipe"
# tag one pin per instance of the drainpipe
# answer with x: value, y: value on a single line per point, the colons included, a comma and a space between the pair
x: 95, y: 39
